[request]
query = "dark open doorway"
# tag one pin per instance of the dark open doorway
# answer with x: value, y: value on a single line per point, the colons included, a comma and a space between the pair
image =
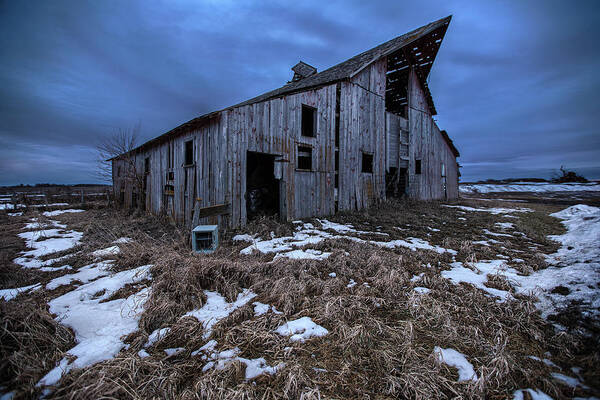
x: 262, y: 189
x: 396, y: 181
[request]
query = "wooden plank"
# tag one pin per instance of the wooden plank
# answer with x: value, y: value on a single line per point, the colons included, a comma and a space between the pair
x: 217, y: 209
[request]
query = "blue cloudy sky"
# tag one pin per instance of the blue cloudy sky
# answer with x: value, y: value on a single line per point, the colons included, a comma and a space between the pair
x: 516, y: 83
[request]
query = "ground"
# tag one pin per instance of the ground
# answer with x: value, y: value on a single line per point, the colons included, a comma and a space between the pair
x: 486, y: 297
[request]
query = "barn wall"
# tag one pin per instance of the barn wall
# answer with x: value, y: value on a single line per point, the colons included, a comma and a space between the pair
x: 428, y: 145
x: 362, y: 129
x: 274, y: 127
x: 218, y: 174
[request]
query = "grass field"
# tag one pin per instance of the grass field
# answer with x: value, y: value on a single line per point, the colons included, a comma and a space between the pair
x: 404, y: 300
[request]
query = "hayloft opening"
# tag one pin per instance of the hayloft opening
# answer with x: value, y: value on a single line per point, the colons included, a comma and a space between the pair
x: 262, y: 189
x: 309, y: 120
x: 396, y: 93
x: 367, y: 163
x: 189, y: 152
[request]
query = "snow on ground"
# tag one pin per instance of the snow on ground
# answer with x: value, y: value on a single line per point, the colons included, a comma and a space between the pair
x: 530, y: 187
x: 84, y: 274
x: 568, y: 380
x: 156, y: 336
x: 98, y: 325
x: 216, y: 308
x: 306, y: 234
x: 58, y: 212
x: 494, y: 210
x: 411, y: 243
x: 33, y: 262
x: 243, y: 238
x: 535, y: 394
x: 422, y: 290
x: 301, y: 329
x: 490, y: 233
x: 505, y: 225
x: 9, y: 206
x: 46, y: 241
x: 457, y: 360
x: 219, y: 360
x: 479, y: 275
x: 9, y: 294
x: 107, y: 252
x: 575, y: 266
x: 308, y: 254
x: 262, y: 308
x: 173, y: 351
x: 341, y: 228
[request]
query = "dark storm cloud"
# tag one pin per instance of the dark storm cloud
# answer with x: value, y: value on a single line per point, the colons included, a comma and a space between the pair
x: 515, y: 83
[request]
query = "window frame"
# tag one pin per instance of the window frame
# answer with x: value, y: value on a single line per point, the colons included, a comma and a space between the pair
x: 185, y: 153
x: 370, y: 163
x: 304, y: 147
x: 313, y: 111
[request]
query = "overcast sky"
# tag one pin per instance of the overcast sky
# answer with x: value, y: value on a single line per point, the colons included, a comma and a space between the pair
x: 516, y: 83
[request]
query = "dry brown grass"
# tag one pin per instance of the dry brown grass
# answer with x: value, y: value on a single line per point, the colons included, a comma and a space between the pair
x: 381, y: 336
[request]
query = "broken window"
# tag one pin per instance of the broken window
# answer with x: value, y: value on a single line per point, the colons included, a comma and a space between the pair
x: 305, y: 158
x: 147, y: 165
x: 367, y: 163
x: 309, y: 121
x: 417, y: 167
x: 169, y: 190
x: 170, y: 154
x: 189, y: 152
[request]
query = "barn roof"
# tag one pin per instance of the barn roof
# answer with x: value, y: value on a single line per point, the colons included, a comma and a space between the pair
x: 450, y: 144
x: 344, y: 70
x: 353, y: 66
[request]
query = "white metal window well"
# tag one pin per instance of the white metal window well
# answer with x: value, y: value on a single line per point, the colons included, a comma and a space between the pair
x: 205, y: 238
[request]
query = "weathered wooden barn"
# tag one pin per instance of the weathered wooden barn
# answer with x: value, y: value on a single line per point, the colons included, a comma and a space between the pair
x: 341, y: 139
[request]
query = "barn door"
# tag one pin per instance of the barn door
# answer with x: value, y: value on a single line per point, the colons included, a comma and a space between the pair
x: 263, y: 188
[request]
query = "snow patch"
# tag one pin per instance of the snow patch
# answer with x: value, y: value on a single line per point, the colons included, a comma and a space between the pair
x: 156, y: 336
x: 540, y: 187
x: 301, y: 329
x: 422, y: 290
x: 495, y: 211
x: 107, y: 252
x: 9, y: 294
x: 457, y: 360
x: 262, y: 308
x: 58, y: 212
x: 576, y: 265
x: 98, y: 326
x: 459, y: 273
x: 85, y: 274
x: 216, y: 308
x: 535, y: 394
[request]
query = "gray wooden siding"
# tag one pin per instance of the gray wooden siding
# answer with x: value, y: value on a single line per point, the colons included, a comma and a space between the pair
x: 427, y: 144
x: 218, y: 174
